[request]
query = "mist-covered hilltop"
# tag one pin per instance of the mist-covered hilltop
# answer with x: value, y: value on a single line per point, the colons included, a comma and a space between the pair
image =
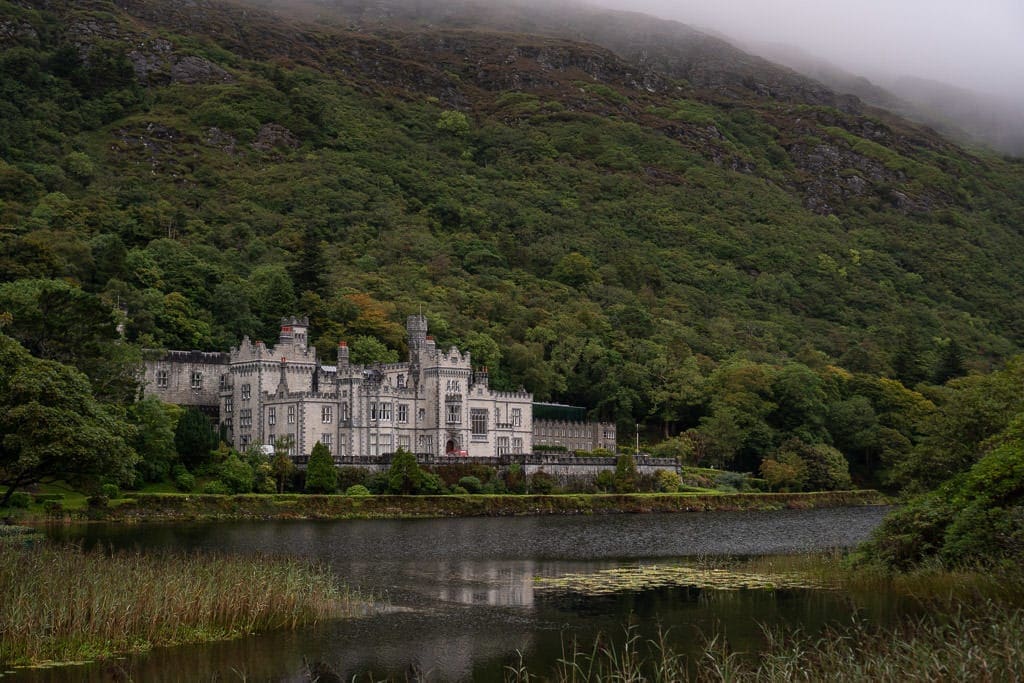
x: 583, y: 221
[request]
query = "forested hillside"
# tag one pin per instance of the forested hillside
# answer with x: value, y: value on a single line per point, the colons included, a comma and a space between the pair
x: 601, y: 231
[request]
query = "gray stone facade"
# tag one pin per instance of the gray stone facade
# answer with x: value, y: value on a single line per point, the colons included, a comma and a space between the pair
x: 574, y: 436
x: 435, y: 404
x: 187, y: 378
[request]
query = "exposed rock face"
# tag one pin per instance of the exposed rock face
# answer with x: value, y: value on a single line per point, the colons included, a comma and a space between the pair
x: 222, y: 140
x: 191, y: 70
x: 156, y: 63
x: 273, y: 136
x: 162, y: 147
x: 17, y: 33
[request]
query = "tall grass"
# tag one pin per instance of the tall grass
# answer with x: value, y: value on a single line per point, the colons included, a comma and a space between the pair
x: 966, y: 625
x: 977, y: 643
x: 60, y: 603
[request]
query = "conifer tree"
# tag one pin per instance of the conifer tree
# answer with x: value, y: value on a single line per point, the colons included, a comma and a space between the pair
x: 321, y: 474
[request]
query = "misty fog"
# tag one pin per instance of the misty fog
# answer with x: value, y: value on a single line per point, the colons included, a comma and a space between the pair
x: 975, y: 45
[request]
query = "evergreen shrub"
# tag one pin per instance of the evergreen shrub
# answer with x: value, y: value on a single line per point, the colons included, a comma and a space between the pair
x: 357, y: 490
x: 20, y: 499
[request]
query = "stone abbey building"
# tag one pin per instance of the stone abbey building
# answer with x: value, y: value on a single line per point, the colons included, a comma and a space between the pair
x: 435, y: 404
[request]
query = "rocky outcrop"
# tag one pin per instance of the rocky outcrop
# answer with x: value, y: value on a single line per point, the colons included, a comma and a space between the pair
x: 273, y: 136
x: 156, y: 63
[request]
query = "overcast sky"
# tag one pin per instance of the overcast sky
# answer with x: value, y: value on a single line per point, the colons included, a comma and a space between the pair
x: 977, y: 44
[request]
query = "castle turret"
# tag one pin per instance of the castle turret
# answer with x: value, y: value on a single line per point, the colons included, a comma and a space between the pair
x: 342, y: 354
x: 294, y: 331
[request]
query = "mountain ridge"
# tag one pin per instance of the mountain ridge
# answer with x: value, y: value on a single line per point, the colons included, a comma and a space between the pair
x: 574, y: 220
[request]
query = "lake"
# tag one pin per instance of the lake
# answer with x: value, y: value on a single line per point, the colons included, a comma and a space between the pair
x: 458, y: 598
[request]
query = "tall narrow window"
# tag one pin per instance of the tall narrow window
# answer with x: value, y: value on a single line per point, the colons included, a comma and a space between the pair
x: 517, y: 417
x: 403, y: 412
x: 326, y: 414
x: 161, y: 379
x: 229, y: 404
x: 197, y: 380
x: 325, y: 439
x: 502, y: 445
x: 291, y: 415
x: 385, y: 411
x: 478, y: 423
x: 246, y: 392
x: 271, y: 416
x: 517, y: 445
x: 454, y: 413
x: 373, y: 410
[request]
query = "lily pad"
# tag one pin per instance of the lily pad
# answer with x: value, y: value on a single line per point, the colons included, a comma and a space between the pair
x: 644, y: 577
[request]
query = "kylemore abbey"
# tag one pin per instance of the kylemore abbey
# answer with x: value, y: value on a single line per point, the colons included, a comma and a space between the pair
x: 435, y: 404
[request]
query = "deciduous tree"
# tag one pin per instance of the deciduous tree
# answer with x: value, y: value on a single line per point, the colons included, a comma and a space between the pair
x: 51, y: 426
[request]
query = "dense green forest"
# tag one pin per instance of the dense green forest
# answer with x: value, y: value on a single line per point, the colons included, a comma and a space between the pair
x: 752, y: 275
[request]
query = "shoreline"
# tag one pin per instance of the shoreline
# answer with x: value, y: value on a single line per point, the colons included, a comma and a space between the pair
x: 160, y: 507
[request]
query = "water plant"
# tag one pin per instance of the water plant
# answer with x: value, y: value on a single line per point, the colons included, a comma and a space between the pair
x: 65, y: 604
x: 974, y: 642
x: 644, y: 577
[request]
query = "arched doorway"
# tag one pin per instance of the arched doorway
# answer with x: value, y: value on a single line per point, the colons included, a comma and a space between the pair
x: 449, y: 447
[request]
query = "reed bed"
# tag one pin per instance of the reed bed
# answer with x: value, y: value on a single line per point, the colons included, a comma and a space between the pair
x: 967, y: 624
x: 933, y: 584
x: 979, y: 643
x: 61, y: 603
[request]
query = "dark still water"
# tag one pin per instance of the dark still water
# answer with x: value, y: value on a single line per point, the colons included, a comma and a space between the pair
x: 460, y: 598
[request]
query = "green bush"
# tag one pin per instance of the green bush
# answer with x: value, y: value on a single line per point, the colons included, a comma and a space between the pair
x: 668, y: 481
x: 459, y: 491
x: 431, y: 484
x: 20, y: 499
x: 357, y: 490
x: 184, y: 481
x: 216, y: 487
x: 404, y: 476
x: 98, y: 501
x: 605, y: 481
x: 730, y: 482
x: 111, y: 491
x: 377, y: 483
x: 43, y: 497
x: 53, y: 508
x: 542, y: 483
x: 321, y: 474
x: 626, y: 475
x: 350, y: 476
x: 236, y: 475
x: 470, y: 485
x: 515, y: 481
x: 975, y: 518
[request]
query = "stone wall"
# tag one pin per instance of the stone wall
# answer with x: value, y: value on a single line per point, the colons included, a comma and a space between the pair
x: 187, y: 378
